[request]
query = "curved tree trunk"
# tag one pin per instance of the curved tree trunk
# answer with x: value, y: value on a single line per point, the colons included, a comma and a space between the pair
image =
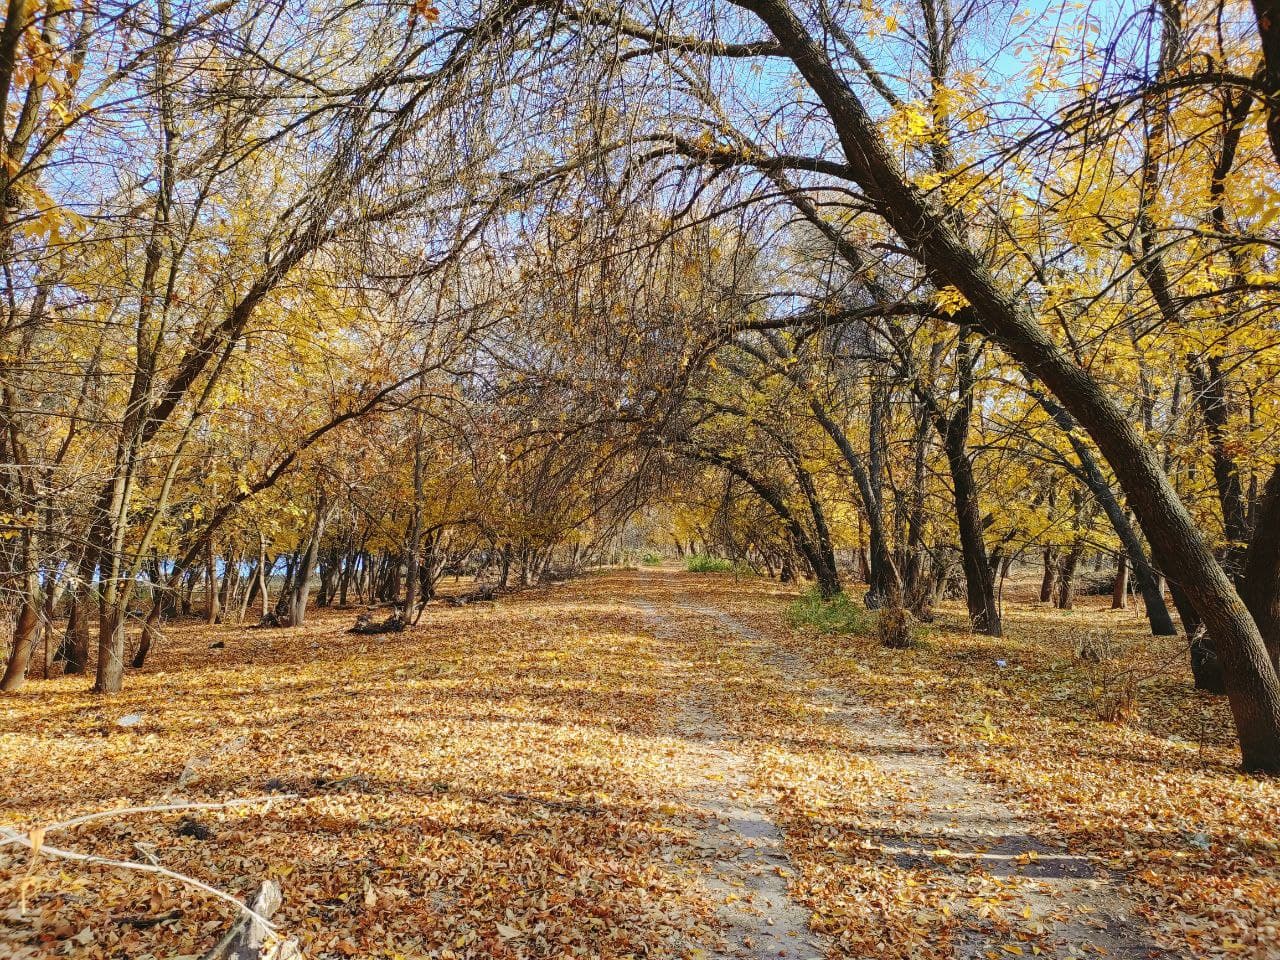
x: 1252, y: 681
x: 1146, y: 578
x: 150, y: 630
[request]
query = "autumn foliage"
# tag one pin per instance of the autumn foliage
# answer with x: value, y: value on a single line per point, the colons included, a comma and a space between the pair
x: 945, y: 332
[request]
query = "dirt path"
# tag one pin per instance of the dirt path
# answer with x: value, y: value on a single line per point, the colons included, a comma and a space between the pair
x: 740, y: 853
x: 937, y: 822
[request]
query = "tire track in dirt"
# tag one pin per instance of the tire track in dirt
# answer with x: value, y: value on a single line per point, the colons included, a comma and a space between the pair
x: 957, y: 821
x: 740, y: 854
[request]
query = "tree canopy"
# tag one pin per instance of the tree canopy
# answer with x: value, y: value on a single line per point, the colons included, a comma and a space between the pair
x: 380, y: 291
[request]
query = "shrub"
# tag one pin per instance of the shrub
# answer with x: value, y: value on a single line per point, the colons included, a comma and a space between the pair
x: 1120, y: 703
x: 701, y: 563
x: 1096, y: 646
x: 651, y: 559
x: 840, y: 614
x: 894, y: 629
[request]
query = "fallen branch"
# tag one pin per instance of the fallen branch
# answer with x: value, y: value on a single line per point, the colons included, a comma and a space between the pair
x: 366, y: 625
x: 247, y: 936
x: 38, y: 848
x: 11, y: 836
x: 33, y: 840
x: 142, y: 923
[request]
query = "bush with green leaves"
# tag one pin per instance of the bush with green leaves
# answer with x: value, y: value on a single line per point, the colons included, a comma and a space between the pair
x: 702, y: 563
x: 839, y: 614
x: 651, y: 559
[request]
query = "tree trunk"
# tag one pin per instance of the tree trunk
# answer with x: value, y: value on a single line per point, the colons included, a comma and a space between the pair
x: 24, y: 634
x: 787, y: 573
x: 251, y: 588
x: 264, y: 579
x: 230, y: 580
x: 1252, y: 679
x: 188, y: 590
x: 504, y: 568
x: 1049, y: 582
x: 212, y: 607
x: 1260, y: 580
x: 344, y: 581
x: 78, y: 630
x: 980, y: 594
x: 150, y: 630
x: 111, y: 637
x: 826, y: 572
x: 302, y: 577
x: 1067, y: 577
x: 914, y: 585
x: 413, y: 540
x: 881, y: 573
x: 1120, y: 587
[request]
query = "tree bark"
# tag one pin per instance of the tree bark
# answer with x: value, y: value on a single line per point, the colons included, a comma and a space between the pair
x: 1120, y: 586
x: 78, y: 630
x: 24, y: 634
x: 111, y: 637
x: 212, y: 607
x: 150, y: 630
x: 302, y: 577
x: 1260, y: 580
x: 1049, y: 582
x: 1067, y: 577
x: 1267, y: 15
x: 980, y: 595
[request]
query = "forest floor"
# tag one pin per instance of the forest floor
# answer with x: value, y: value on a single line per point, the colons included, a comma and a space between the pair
x: 645, y: 764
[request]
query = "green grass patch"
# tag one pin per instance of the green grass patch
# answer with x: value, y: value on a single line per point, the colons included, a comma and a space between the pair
x: 701, y: 563
x: 840, y: 614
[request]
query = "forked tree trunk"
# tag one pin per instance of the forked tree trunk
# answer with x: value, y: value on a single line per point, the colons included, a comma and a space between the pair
x: 302, y: 577
x: 1049, y: 581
